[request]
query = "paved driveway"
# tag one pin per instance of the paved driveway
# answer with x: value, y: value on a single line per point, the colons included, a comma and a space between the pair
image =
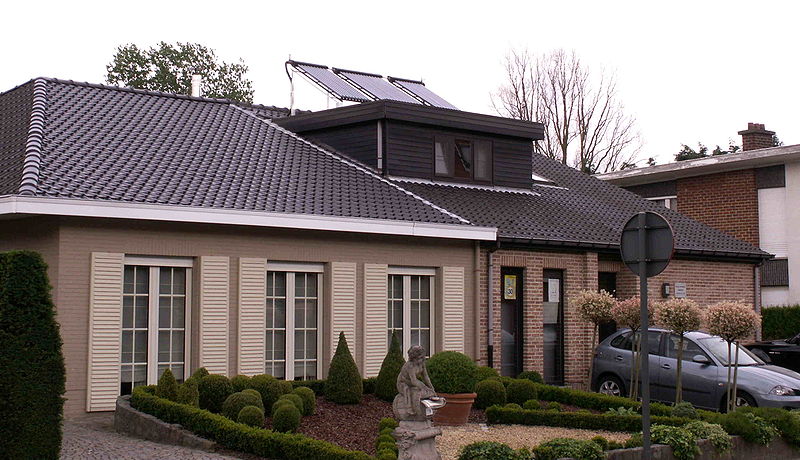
x: 92, y: 436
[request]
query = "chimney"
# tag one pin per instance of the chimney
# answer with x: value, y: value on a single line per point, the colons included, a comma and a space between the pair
x: 197, y: 81
x: 756, y: 137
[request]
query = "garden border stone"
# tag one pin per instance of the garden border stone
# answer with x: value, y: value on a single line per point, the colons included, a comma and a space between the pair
x: 778, y: 449
x: 130, y: 421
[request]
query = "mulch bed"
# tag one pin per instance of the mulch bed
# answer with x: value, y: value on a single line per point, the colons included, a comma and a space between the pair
x: 354, y: 427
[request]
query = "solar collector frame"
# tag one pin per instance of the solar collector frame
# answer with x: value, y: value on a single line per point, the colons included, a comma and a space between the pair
x: 420, y: 91
x: 375, y: 85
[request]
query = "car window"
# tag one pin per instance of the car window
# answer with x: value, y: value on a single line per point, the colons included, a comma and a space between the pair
x: 690, y: 349
x: 720, y: 349
x: 624, y: 342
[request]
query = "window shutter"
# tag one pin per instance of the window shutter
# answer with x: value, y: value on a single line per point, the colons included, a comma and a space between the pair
x: 343, y: 305
x: 105, y: 326
x: 375, y: 317
x: 214, y: 298
x: 252, y: 315
x: 453, y: 308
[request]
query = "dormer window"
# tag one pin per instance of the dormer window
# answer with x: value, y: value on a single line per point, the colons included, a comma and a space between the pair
x: 463, y: 158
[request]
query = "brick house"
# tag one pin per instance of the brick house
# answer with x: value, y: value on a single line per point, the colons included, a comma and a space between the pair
x: 749, y: 195
x: 183, y: 232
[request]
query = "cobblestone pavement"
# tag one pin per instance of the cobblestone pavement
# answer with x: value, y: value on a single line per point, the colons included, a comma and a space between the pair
x: 92, y: 436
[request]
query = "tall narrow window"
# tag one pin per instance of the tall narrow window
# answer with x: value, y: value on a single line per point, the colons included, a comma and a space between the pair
x: 155, y: 312
x: 410, y: 310
x: 293, y: 316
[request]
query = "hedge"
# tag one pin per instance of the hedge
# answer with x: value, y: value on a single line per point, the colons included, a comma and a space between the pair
x: 319, y: 385
x: 31, y: 361
x: 595, y: 401
x: 780, y: 322
x: 627, y: 423
x: 237, y: 436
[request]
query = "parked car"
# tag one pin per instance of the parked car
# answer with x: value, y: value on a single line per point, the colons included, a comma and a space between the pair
x: 784, y: 353
x: 704, y: 372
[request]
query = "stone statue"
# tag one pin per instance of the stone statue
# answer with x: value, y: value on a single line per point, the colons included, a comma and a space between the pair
x: 413, y: 407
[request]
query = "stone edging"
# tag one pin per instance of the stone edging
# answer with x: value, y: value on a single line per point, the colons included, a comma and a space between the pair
x: 741, y: 450
x: 130, y: 421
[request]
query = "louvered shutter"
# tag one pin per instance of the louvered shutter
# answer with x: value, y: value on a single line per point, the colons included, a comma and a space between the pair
x: 375, y: 317
x: 105, y: 326
x: 453, y: 308
x: 343, y: 305
x: 214, y: 300
x: 252, y: 315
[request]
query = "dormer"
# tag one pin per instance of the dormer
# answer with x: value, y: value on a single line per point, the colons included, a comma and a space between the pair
x: 401, y: 139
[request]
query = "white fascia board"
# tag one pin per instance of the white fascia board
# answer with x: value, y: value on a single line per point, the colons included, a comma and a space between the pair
x: 10, y: 205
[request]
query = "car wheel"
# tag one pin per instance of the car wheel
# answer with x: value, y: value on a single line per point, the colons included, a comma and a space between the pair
x: 610, y: 385
x: 742, y: 400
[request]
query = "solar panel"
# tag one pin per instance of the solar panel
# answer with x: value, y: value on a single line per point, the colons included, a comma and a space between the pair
x: 330, y: 82
x: 418, y: 89
x: 375, y: 85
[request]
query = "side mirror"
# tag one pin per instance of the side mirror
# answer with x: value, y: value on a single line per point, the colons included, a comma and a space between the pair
x: 700, y: 359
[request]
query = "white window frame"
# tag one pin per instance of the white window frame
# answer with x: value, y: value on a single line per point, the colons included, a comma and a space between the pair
x: 291, y: 269
x: 407, y: 273
x: 665, y: 200
x: 154, y: 264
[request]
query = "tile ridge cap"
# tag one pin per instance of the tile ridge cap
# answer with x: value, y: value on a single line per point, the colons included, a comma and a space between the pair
x: 32, y: 161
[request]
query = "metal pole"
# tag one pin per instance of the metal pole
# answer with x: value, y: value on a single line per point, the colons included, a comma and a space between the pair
x: 644, y: 340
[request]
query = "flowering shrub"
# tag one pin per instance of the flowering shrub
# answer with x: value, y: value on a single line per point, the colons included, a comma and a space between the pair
x: 594, y: 307
x: 627, y: 313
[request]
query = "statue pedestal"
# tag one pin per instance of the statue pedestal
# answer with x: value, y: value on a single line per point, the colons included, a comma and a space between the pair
x: 416, y: 440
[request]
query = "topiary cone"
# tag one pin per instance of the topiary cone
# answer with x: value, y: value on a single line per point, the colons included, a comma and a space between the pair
x: 167, y: 387
x: 344, y: 384
x: 386, y: 384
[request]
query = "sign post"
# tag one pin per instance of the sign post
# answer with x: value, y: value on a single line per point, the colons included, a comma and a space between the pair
x: 646, y: 246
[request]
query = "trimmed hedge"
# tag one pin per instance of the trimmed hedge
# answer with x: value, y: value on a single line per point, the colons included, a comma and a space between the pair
x: 344, y: 384
x: 452, y: 372
x: 251, y: 416
x: 594, y: 401
x: 520, y: 391
x: 386, y: 383
x: 31, y: 362
x: 167, y: 386
x: 309, y: 399
x: 489, y: 393
x: 286, y: 419
x: 319, y: 385
x: 780, y: 322
x: 240, y: 382
x: 188, y: 394
x: 214, y: 390
x: 589, y: 421
x: 238, y: 401
x: 568, y: 448
x: 237, y: 436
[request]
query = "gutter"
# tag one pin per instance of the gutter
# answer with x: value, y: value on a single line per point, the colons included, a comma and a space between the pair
x: 21, y: 205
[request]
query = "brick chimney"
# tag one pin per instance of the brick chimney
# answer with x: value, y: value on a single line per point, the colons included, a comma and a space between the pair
x: 756, y: 137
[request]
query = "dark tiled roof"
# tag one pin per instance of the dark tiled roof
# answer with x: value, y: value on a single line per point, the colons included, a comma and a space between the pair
x: 775, y: 273
x: 582, y: 211
x: 120, y: 144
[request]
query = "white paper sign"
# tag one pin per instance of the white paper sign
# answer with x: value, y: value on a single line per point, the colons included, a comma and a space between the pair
x: 680, y: 290
x: 553, y: 290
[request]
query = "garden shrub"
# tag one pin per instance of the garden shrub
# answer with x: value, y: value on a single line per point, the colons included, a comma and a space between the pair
x: 520, y: 391
x: 600, y: 441
x: 236, y: 402
x: 309, y: 399
x: 594, y: 401
x: 235, y: 436
x: 386, y: 455
x: 280, y: 403
x: 452, y: 372
x: 486, y: 372
x: 386, y: 384
x: 715, y: 434
x: 317, y: 385
x: 214, y: 390
x: 387, y: 422
x: 384, y: 438
x: 199, y: 374
x: 533, y: 376
x: 780, y: 322
x: 261, y: 383
x: 167, y: 387
x: 683, y: 442
x: 629, y: 423
x: 251, y: 416
x: 295, y: 399
x: 513, y: 406
x: 566, y: 447
x: 386, y: 445
x: 686, y: 410
x: 344, y: 384
x: 286, y: 419
x: 552, y: 405
x: 532, y: 404
x: 188, y: 394
x: 786, y: 422
x: 622, y: 411
x: 614, y: 445
x: 750, y: 427
x: 254, y: 393
x: 487, y: 450
x: 240, y: 382
x: 506, y: 381
x: 369, y: 385
x: 489, y: 392
x: 31, y: 362
x: 634, y: 441
x: 390, y: 446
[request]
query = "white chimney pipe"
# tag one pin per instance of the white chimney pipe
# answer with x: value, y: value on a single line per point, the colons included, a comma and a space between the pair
x: 197, y: 81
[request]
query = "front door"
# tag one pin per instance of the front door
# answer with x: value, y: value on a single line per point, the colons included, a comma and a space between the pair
x: 553, y: 324
x: 511, y: 321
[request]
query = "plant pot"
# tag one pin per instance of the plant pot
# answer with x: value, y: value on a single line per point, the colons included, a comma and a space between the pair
x: 456, y: 411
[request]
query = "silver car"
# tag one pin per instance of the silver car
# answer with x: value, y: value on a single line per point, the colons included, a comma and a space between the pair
x: 705, y: 371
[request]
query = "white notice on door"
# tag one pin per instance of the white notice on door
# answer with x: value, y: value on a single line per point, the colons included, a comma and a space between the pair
x: 553, y: 290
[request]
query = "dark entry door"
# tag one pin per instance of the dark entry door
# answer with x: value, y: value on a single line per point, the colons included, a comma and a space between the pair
x: 511, y: 321
x: 607, y: 281
x: 553, y: 311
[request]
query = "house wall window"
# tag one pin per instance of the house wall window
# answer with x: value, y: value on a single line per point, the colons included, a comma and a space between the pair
x: 293, y: 342
x: 463, y: 158
x: 669, y: 202
x: 411, y: 308
x: 155, y: 320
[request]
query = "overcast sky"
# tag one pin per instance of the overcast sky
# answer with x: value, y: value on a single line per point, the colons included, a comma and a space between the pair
x: 688, y: 71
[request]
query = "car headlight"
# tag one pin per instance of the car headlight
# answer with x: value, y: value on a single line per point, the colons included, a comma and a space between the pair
x: 781, y: 390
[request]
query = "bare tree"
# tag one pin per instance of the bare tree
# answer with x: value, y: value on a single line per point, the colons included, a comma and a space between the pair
x: 585, y: 124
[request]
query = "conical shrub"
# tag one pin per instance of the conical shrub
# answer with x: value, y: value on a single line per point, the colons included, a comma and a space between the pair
x: 167, y: 387
x: 344, y: 384
x: 386, y: 385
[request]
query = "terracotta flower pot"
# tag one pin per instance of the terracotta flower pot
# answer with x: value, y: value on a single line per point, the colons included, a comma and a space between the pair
x: 456, y: 411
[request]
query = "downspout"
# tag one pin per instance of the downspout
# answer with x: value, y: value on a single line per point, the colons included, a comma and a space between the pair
x: 757, y: 296
x: 490, y: 306
x: 476, y: 281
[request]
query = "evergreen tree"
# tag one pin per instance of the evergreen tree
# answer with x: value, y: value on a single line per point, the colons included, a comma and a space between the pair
x: 386, y: 384
x: 344, y: 384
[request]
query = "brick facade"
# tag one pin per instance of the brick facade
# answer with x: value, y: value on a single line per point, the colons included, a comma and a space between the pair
x: 726, y: 201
